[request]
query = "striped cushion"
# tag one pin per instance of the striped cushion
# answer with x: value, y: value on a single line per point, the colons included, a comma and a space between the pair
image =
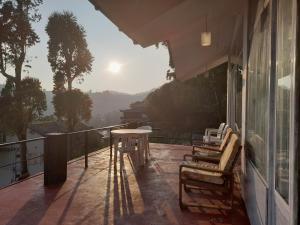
x: 207, y: 153
x: 227, y: 158
x: 201, y: 175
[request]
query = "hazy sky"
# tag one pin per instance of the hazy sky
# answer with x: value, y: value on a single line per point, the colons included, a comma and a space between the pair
x: 142, y: 68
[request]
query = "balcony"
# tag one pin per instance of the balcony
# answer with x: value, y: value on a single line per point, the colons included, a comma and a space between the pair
x: 101, y: 194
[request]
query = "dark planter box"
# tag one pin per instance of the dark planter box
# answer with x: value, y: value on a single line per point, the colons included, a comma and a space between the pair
x: 55, y: 159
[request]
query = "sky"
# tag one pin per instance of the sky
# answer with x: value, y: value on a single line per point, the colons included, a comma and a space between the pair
x: 142, y: 69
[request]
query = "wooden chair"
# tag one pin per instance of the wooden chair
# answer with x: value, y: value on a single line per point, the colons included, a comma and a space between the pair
x: 205, y: 175
x: 211, y: 152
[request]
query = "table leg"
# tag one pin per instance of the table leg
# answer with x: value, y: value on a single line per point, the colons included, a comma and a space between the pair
x: 147, y: 152
x: 142, y: 149
x: 116, y: 146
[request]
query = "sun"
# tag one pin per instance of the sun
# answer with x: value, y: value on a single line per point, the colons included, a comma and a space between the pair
x: 114, y: 67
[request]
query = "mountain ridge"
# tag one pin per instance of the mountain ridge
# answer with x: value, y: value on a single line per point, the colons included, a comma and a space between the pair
x: 106, y: 105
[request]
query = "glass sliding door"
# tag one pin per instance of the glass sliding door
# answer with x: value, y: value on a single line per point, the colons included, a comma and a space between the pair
x: 285, y: 63
x: 258, y: 94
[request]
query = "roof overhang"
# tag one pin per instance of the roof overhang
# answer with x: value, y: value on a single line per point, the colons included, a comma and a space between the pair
x: 180, y: 23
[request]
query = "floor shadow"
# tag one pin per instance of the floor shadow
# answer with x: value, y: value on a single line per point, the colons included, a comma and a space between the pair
x: 122, y: 206
x: 159, y: 190
x: 107, y: 196
x: 37, y: 206
x: 70, y: 200
x: 157, y: 183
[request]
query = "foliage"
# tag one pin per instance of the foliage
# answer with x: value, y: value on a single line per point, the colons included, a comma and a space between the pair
x: 72, y: 105
x: 191, y: 105
x: 22, y: 100
x: 70, y: 59
x: 49, y: 118
x: 68, y: 54
x: 33, y: 103
x: 16, y: 34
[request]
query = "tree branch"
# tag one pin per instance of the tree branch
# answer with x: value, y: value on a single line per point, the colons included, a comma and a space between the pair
x: 2, y: 69
x: 6, y: 75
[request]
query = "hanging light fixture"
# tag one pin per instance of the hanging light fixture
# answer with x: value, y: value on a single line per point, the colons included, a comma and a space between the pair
x: 206, y: 36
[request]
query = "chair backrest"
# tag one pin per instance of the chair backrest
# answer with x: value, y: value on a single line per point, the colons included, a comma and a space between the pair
x: 224, y: 131
x: 226, y: 139
x: 220, y: 130
x: 230, y: 153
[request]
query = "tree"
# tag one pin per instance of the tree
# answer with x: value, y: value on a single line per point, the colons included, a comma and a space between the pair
x: 33, y: 103
x: 16, y: 36
x: 190, y: 105
x: 70, y: 59
x: 74, y: 105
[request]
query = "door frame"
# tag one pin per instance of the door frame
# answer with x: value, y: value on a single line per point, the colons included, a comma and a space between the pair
x: 277, y: 206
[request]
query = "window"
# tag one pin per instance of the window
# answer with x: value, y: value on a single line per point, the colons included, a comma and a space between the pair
x: 257, y: 95
x: 284, y: 74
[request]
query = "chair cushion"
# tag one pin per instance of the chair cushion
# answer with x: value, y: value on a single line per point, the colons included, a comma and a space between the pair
x: 207, y: 153
x: 201, y: 175
x: 229, y: 154
x: 226, y: 139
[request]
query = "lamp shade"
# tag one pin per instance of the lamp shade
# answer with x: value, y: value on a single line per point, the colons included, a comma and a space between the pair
x: 206, y: 38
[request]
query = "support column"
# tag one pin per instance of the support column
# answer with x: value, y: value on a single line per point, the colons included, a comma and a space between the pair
x: 244, y: 94
x: 229, y: 93
x: 272, y: 115
x: 230, y: 118
x: 296, y: 205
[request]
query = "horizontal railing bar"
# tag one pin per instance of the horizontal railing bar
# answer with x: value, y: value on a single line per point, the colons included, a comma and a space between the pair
x: 17, y: 162
x: 97, y: 129
x: 70, y: 133
x: 22, y: 141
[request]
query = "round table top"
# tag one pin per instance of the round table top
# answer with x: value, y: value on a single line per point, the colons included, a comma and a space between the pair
x: 131, y: 131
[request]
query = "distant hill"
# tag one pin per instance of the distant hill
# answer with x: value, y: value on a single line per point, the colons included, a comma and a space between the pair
x: 109, y: 101
x: 106, y: 105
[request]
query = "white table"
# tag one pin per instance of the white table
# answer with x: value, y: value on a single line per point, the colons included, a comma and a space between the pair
x: 130, y: 138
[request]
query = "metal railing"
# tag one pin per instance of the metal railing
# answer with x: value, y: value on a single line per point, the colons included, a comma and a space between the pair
x: 10, y: 167
x: 85, y: 143
x: 82, y: 143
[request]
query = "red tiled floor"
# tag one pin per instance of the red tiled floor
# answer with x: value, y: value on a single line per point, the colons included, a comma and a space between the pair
x: 100, y: 195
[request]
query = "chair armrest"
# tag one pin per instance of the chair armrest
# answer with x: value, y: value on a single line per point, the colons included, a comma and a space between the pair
x: 185, y: 156
x: 208, y: 129
x: 198, y: 167
x: 209, y: 148
x: 214, y: 139
x: 201, y: 158
x: 211, y: 132
x: 200, y: 143
x: 218, y: 142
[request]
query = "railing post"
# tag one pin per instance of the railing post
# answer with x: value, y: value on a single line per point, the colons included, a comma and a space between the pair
x: 110, y: 142
x: 86, y: 150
